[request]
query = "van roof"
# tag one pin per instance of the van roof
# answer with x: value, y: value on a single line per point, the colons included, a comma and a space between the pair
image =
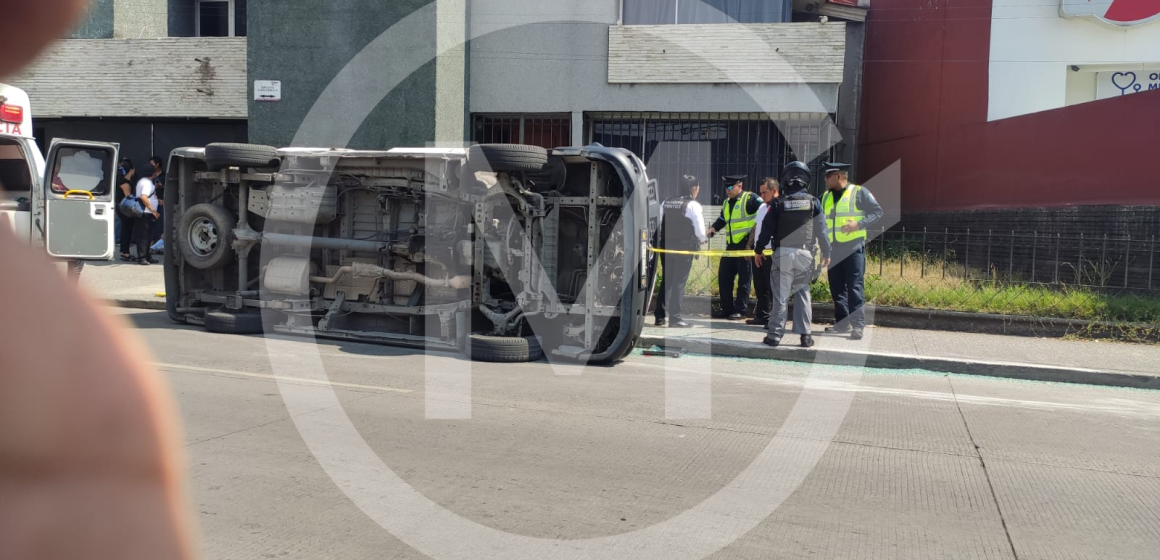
x: 16, y: 113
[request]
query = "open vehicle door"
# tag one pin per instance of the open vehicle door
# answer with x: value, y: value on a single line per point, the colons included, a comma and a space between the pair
x: 78, y: 199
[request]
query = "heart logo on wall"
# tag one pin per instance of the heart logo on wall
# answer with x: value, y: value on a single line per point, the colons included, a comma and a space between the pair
x: 1124, y: 81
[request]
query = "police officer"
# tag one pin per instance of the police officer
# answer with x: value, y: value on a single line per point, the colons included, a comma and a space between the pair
x: 682, y: 229
x: 849, y: 209
x: 794, y: 224
x: 769, y: 191
x: 738, y: 216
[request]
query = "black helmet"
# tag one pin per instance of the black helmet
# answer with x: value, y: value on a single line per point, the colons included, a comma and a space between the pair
x: 796, y: 177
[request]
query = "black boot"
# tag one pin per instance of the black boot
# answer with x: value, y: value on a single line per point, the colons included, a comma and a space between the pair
x: 807, y: 341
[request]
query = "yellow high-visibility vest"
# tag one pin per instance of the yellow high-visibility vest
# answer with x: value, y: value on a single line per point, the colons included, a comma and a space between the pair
x: 738, y: 221
x: 841, y: 213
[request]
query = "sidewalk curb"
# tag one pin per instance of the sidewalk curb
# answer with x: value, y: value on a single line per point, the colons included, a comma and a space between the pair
x: 157, y: 304
x: 882, y: 360
x: 987, y: 323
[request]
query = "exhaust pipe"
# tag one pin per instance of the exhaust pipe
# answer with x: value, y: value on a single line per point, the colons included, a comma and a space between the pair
x: 363, y: 270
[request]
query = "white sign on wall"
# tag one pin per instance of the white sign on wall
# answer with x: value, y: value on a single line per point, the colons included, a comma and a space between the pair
x: 1126, y: 82
x: 267, y: 90
x: 1122, y: 13
x: 1031, y: 43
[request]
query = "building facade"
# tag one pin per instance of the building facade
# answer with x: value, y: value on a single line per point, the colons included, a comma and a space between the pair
x: 1016, y: 114
x: 151, y: 75
x: 707, y: 88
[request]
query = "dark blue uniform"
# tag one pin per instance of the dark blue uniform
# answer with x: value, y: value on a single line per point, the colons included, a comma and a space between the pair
x: 847, y: 272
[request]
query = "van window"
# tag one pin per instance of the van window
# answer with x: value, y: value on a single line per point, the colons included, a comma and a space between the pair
x: 15, y: 169
x: 78, y: 169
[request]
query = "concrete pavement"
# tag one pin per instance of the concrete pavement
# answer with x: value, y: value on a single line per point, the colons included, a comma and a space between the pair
x: 923, y: 465
x: 1048, y: 359
x: 1040, y: 359
x: 127, y: 284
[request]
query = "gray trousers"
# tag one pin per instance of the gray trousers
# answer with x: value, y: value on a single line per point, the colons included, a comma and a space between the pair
x: 790, y: 274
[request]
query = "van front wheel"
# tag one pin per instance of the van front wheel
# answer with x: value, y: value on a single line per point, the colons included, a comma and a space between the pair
x: 504, y: 349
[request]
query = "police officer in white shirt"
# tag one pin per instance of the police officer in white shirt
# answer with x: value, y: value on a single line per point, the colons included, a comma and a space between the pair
x: 769, y: 191
x: 682, y: 229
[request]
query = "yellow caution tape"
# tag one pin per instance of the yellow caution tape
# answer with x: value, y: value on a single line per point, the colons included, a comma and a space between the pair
x: 718, y: 253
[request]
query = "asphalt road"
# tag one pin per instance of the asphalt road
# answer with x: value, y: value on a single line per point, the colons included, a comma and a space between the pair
x: 921, y: 465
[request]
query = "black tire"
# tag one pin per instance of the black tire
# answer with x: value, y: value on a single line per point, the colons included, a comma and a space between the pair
x: 205, y: 236
x: 245, y: 156
x: 228, y: 322
x: 507, y: 157
x: 169, y: 258
x: 554, y: 174
x: 504, y: 349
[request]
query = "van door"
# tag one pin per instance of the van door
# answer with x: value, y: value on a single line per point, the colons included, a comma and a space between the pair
x: 78, y: 199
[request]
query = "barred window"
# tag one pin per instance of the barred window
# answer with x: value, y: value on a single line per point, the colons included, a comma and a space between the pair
x: 664, y: 12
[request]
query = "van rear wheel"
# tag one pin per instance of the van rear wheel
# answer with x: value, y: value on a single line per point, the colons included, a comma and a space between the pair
x: 231, y: 322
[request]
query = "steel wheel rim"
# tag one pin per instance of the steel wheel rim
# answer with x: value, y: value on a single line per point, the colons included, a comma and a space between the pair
x: 203, y: 237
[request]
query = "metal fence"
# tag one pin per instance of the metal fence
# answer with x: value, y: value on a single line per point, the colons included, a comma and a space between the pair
x: 547, y: 130
x: 1015, y: 273
x: 712, y: 145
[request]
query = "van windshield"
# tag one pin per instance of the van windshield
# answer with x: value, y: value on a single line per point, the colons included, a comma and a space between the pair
x: 15, y: 170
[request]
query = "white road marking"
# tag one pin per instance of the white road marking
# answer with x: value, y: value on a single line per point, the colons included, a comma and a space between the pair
x: 280, y: 378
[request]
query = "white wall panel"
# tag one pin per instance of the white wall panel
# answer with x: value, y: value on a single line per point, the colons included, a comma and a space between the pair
x: 773, y: 53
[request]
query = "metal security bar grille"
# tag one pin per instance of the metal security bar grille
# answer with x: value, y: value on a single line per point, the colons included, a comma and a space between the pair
x: 1105, y: 278
x: 711, y: 145
x: 543, y: 130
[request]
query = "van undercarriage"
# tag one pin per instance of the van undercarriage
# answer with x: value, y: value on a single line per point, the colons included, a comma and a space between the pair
x: 502, y: 252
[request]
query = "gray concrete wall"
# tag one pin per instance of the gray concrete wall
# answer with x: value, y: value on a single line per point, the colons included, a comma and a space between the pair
x: 98, y: 22
x: 451, y: 73
x: 850, y: 97
x: 306, y: 43
x: 140, y: 19
x: 563, y: 67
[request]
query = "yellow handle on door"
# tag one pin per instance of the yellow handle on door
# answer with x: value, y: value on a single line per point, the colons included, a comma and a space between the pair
x: 87, y: 193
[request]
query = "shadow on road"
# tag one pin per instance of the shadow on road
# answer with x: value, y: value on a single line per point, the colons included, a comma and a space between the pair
x: 154, y: 320
x: 159, y: 320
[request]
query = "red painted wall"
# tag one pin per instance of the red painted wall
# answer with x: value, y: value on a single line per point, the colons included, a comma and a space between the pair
x: 924, y: 102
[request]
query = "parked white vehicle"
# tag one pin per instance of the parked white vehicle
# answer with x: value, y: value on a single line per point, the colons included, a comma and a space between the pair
x: 63, y: 204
